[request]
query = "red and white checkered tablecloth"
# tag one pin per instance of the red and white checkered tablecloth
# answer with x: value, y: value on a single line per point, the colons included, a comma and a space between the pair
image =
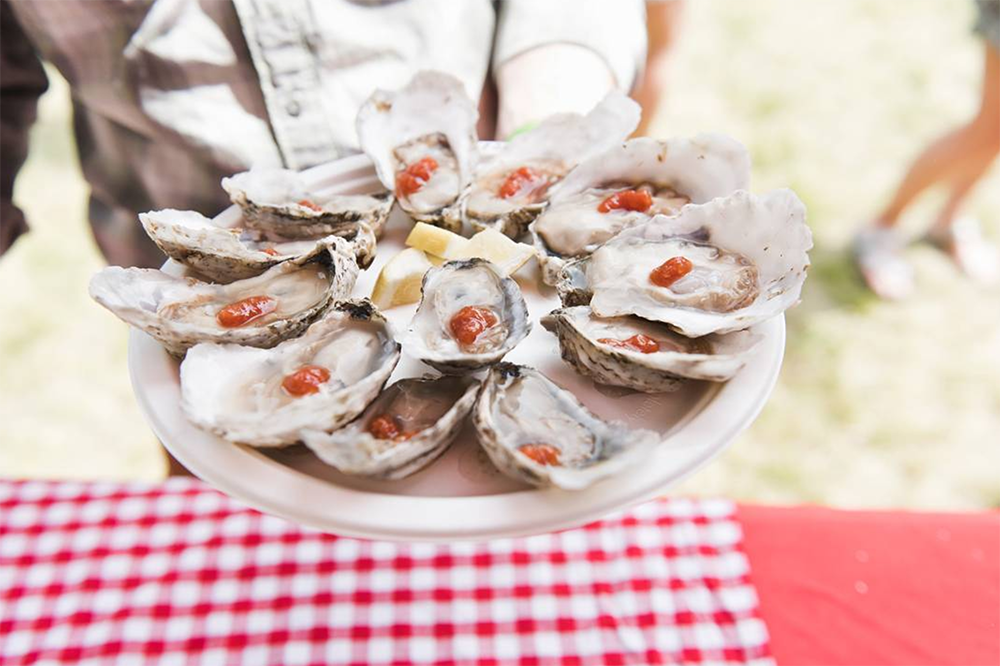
x: 177, y: 573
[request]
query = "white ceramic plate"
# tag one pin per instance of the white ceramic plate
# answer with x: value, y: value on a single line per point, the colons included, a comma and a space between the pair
x: 460, y: 496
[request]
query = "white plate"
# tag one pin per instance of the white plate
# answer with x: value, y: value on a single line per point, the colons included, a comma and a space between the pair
x: 461, y: 496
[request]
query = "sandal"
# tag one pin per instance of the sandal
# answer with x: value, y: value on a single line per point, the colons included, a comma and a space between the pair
x: 878, y: 255
x: 963, y: 241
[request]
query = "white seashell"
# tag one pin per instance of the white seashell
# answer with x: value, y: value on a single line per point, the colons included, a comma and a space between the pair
x: 518, y: 406
x: 755, y: 250
x: 448, y: 289
x: 429, y: 413
x: 553, y: 148
x: 674, y: 172
x: 182, y: 312
x: 583, y: 340
x: 223, y: 255
x: 238, y: 392
x: 277, y: 204
x: 431, y: 117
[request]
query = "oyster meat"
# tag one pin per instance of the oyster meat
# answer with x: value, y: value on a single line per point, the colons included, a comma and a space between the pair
x: 717, y: 267
x: 225, y: 254
x: 630, y: 183
x: 277, y: 204
x: 470, y: 315
x: 513, y: 186
x: 422, y: 140
x: 319, y: 381
x: 539, y: 433
x: 258, y: 312
x: 406, y: 428
x: 643, y: 355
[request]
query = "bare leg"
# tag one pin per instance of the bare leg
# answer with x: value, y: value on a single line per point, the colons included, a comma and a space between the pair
x: 959, y: 191
x: 961, y: 237
x: 662, y: 21
x: 959, y: 158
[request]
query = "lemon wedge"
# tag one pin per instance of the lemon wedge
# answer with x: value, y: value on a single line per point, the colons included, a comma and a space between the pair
x: 436, y: 241
x: 399, y: 281
x: 492, y: 245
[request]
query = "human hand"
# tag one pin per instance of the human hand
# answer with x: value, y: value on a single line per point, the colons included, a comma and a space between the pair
x: 555, y: 78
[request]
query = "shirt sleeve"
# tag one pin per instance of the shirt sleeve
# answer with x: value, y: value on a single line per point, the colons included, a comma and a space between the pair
x: 22, y: 82
x: 614, y: 29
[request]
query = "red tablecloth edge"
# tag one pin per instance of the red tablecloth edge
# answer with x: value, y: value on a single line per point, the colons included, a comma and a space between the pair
x: 876, y: 587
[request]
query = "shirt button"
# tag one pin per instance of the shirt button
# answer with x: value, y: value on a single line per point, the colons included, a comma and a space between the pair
x: 292, y: 108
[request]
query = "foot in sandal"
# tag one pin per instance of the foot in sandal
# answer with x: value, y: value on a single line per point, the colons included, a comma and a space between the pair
x: 963, y: 241
x: 878, y: 254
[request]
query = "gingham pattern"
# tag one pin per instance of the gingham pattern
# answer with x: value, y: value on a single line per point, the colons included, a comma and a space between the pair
x: 177, y: 573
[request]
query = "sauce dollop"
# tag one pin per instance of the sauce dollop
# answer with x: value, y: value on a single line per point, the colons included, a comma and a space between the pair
x: 469, y: 323
x: 243, y: 312
x: 634, y: 200
x: 524, y: 180
x: 543, y: 454
x: 387, y: 426
x: 638, y: 342
x: 306, y: 203
x: 412, y: 178
x: 670, y: 271
x: 306, y: 380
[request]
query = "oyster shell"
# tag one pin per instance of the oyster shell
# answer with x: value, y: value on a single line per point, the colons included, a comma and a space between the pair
x: 747, y: 258
x: 278, y: 204
x: 223, y: 254
x: 507, y: 199
x: 643, y: 355
x: 406, y: 428
x: 472, y: 291
x: 590, y: 205
x: 431, y: 118
x: 537, y: 432
x: 267, y: 397
x: 276, y: 305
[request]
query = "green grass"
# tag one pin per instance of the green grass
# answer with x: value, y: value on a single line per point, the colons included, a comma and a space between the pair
x: 879, y: 404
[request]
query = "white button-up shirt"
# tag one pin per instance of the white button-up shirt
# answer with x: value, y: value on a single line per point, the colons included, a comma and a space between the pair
x: 171, y: 95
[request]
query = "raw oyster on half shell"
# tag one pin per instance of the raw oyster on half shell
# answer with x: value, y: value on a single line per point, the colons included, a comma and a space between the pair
x: 535, y: 431
x: 713, y: 268
x: 470, y: 315
x: 644, y: 355
x: 319, y: 381
x: 629, y: 184
x: 422, y: 140
x: 258, y: 312
x: 513, y: 186
x: 225, y: 254
x: 409, y: 426
x: 277, y: 204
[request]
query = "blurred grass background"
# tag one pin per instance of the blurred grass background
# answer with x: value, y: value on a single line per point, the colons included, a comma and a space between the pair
x: 879, y: 404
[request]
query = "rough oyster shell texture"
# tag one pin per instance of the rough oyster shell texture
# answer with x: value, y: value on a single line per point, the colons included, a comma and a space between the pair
x: 236, y: 391
x: 445, y: 291
x: 272, y: 201
x: 767, y: 233
x: 519, y: 406
x: 433, y: 107
x: 557, y: 144
x: 436, y: 406
x: 699, y: 169
x: 583, y: 340
x: 181, y: 312
x: 223, y: 255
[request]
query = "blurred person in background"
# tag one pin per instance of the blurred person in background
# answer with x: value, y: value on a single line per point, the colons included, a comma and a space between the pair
x: 957, y: 161
x: 169, y: 96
